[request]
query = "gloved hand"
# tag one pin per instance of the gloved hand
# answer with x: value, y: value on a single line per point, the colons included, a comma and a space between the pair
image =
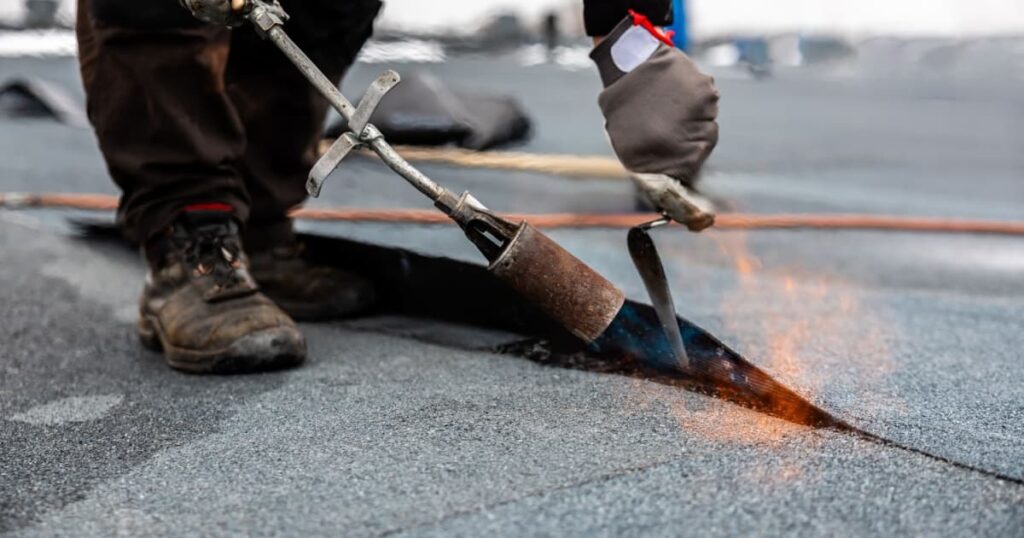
x: 220, y: 12
x: 659, y: 109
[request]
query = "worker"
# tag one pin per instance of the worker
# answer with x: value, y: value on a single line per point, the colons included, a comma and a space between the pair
x: 210, y: 133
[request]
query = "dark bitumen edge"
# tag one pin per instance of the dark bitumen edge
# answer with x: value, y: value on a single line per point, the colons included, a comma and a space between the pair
x: 418, y: 285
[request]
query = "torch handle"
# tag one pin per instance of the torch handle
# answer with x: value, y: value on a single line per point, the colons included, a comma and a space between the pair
x: 268, y: 22
x: 315, y: 76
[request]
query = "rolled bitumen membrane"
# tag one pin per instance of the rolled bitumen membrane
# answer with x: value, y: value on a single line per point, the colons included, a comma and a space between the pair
x: 634, y: 344
x: 31, y: 97
x: 424, y: 111
x: 441, y: 288
x: 417, y: 285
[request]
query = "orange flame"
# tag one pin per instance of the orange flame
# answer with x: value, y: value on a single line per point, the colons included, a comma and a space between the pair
x: 791, y: 319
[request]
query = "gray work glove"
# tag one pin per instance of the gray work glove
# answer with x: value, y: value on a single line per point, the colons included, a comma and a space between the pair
x: 220, y: 12
x: 660, y: 113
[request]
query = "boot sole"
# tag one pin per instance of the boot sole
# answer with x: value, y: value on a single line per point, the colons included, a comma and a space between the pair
x: 266, y: 350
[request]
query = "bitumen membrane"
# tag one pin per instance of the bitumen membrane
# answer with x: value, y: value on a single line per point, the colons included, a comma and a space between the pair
x: 417, y: 427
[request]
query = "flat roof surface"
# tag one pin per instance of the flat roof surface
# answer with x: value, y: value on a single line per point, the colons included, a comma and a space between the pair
x: 416, y: 427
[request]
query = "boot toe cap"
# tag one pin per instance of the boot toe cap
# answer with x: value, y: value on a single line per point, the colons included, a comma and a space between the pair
x: 268, y: 349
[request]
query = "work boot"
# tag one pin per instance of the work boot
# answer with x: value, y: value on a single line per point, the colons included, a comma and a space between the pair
x: 203, y: 309
x: 303, y: 289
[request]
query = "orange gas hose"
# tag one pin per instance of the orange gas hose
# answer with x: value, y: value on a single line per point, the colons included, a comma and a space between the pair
x: 727, y: 221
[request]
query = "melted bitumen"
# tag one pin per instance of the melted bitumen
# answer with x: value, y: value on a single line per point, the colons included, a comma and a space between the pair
x: 635, y: 337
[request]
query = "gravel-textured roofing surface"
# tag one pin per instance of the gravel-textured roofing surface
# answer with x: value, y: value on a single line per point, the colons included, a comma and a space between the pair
x: 914, y: 337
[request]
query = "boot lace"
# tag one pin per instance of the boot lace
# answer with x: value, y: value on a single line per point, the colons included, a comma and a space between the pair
x: 215, y: 251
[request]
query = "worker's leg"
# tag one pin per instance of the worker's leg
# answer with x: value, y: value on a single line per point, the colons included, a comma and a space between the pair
x: 283, y: 115
x: 154, y: 80
x: 172, y: 140
x: 283, y: 118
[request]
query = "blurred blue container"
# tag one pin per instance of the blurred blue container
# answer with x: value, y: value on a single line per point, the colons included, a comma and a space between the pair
x: 682, y: 37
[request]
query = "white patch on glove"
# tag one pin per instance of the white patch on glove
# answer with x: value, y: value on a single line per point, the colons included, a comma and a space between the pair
x: 633, y: 48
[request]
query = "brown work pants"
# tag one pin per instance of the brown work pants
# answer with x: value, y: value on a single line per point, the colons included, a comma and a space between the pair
x: 188, y: 113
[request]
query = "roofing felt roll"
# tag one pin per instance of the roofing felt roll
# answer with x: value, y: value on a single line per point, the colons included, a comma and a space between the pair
x: 424, y: 111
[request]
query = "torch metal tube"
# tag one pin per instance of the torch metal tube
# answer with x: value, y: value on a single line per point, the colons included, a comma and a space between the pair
x: 311, y: 71
x: 403, y: 168
x: 370, y: 135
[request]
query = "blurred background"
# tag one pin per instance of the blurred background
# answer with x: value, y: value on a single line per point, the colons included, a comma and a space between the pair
x: 872, y: 106
x: 709, y: 21
x: 712, y: 18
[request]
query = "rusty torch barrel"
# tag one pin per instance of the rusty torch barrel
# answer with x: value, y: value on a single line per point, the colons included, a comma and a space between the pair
x: 558, y: 283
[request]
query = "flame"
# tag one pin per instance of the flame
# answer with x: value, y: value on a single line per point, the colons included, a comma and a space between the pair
x: 791, y: 321
x: 792, y: 317
x: 789, y: 318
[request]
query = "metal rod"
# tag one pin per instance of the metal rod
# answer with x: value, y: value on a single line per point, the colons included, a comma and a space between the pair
x: 311, y: 72
x: 648, y: 263
x: 403, y: 168
x: 370, y: 135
